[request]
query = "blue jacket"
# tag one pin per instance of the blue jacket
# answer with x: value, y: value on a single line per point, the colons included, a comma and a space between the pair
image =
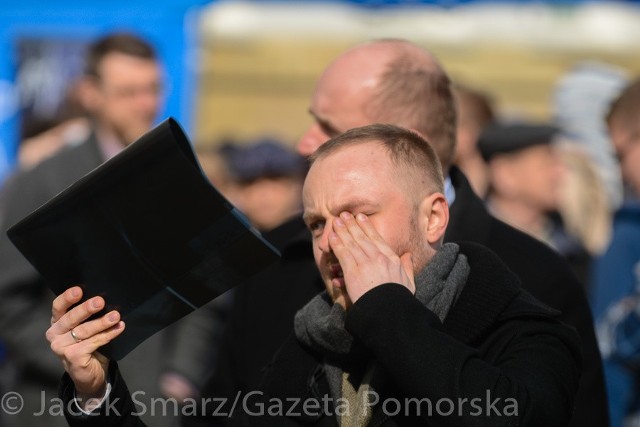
x: 616, y: 308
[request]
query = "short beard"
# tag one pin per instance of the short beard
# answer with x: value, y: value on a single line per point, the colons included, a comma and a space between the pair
x: 416, y: 243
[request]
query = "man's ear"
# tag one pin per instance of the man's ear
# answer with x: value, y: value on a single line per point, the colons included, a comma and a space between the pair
x: 434, y: 216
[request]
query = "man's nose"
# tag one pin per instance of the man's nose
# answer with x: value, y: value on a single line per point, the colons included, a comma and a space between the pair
x: 323, y: 244
x: 313, y: 138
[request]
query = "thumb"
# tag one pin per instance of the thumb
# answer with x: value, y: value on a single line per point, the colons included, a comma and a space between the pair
x: 407, y: 265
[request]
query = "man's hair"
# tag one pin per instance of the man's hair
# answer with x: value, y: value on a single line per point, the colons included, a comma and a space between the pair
x: 407, y: 150
x: 625, y: 110
x: 125, y: 43
x: 415, y: 96
x: 476, y: 106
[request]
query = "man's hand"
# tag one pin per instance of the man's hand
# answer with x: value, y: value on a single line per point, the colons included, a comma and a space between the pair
x: 75, y: 341
x: 365, y: 258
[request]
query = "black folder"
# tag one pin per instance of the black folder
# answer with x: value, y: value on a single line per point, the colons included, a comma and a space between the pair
x: 148, y: 232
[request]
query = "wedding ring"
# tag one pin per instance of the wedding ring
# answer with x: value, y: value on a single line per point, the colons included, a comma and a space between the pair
x: 74, y: 336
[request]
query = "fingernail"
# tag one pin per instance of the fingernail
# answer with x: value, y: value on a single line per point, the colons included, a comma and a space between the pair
x: 113, y: 317
x: 345, y: 215
x: 339, y: 222
x: 361, y: 217
x: 96, y: 303
x: 75, y: 292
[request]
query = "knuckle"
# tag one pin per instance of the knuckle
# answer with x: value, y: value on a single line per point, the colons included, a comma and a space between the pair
x: 98, y: 340
x: 70, y: 319
x: 351, y: 244
x: 73, y: 352
x: 69, y: 353
x: 381, y: 258
x: 54, y: 311
x: 56, y: 347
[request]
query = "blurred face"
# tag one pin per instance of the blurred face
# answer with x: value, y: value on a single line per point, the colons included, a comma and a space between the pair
x: 630, y: 165
x: 127, y: 96
x: 626, y: 144
x: 360, y: 179
x: 268, y: 202
x: 341, y: 96
x: 531, y: 176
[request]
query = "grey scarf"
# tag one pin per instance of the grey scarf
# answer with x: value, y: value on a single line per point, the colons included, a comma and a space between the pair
x: 320, y: 323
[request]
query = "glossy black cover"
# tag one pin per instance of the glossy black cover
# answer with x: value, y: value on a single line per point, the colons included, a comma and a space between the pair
x: 148, y: 232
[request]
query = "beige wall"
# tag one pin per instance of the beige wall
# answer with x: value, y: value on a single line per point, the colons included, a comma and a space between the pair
x: 261, y: 83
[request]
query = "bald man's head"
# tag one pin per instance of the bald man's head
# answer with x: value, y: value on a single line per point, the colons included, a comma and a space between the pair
x: 384, y: 81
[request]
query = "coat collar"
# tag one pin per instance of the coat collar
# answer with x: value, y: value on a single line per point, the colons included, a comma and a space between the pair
x: 469, y: 218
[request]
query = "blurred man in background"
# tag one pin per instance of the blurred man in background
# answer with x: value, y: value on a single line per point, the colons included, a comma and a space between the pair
x: 616, y: 275
x: 269, y: 179
x: 475, y: 112
x: 122, y: 91
x: 525, y: 175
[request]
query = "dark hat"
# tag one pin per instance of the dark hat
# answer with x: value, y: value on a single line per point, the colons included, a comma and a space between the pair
x: 265, y: 158
x: 502, y: 138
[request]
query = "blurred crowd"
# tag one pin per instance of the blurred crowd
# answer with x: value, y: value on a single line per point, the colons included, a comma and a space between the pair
x: 572, y: 182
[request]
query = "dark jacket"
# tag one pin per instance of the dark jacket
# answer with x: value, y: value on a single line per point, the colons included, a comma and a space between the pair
x: 498, y: 345
x: 616, y: 298
x: 25, y: 300
x: 255, y: 331
x: 547, y: 277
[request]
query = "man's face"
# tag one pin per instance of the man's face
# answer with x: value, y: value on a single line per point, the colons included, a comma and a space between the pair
x: 127, y: 95
x: 268, y: 202
x: 630, y: 164
x: 627, y: 146
x: 360, y: 179
x: 534, y: 176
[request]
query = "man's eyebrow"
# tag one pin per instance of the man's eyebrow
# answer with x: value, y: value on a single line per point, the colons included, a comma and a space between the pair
x: 353, y: 205
x: 324, y: 123
x: 309, y: 217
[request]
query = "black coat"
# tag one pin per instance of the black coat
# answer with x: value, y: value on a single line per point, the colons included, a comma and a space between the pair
x: 255, y: 332
x: 547, y: 277
x: 25, y: 300
x: 498, y: 344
